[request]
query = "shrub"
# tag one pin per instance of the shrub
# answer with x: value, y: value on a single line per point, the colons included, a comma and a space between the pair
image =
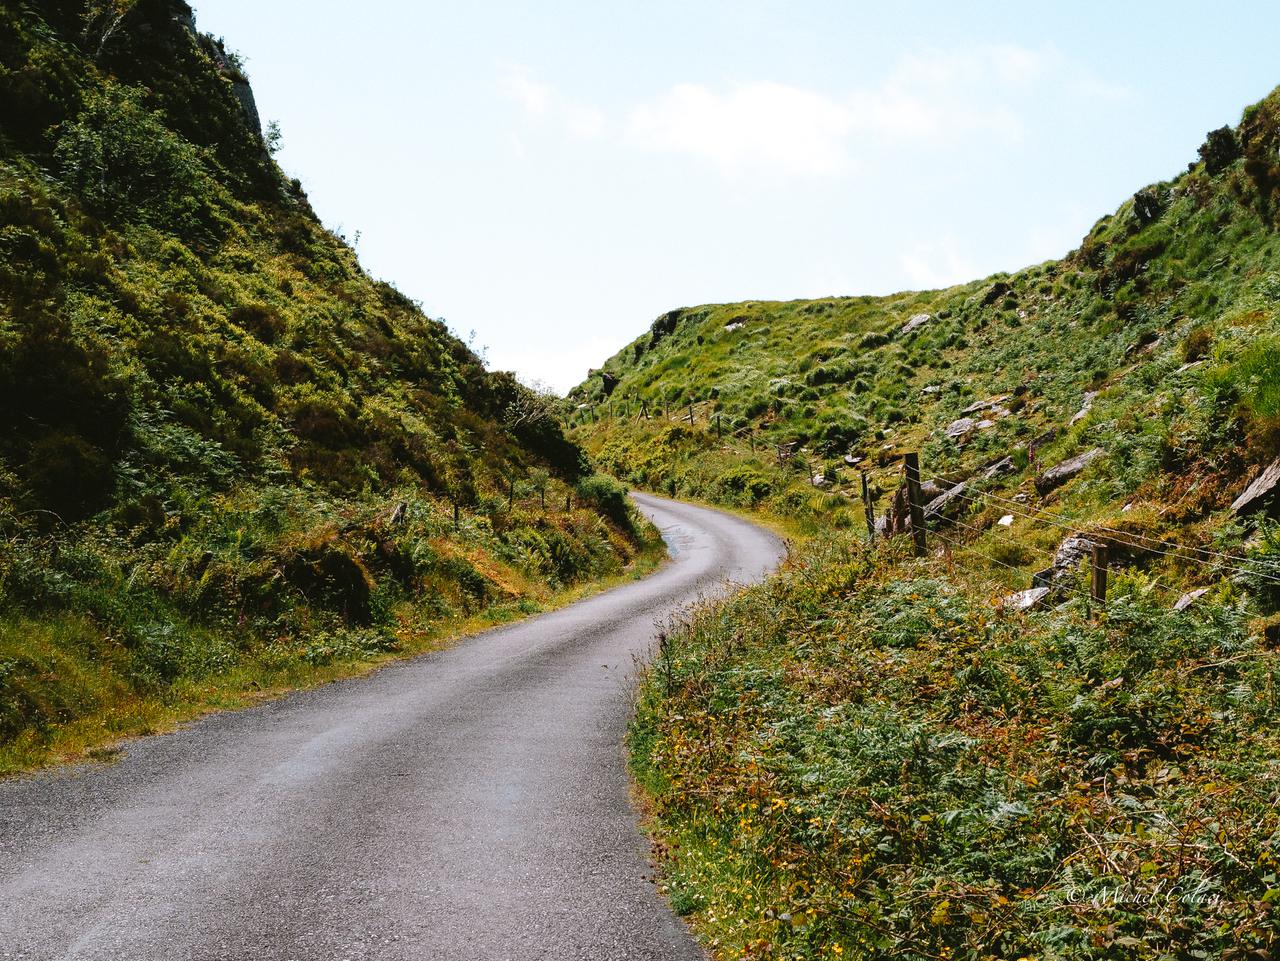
x: 1220, y: 150
x: 608, y: 496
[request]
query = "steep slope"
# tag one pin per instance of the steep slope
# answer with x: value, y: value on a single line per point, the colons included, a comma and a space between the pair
x: 883, y: 755
x: 225, y: 451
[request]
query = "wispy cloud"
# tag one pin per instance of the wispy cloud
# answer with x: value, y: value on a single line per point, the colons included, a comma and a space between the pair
x: 542, y: 105
x: 932, y: 98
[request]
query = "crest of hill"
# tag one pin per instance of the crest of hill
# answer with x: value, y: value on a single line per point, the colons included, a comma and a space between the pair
x: 1155, y: 339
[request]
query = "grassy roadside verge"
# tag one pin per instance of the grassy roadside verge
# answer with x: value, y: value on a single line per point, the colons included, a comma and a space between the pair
x: 268, y: 672
x: 862, y: 757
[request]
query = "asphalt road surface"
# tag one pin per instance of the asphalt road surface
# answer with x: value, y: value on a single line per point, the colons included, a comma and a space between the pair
x: 468, y: 804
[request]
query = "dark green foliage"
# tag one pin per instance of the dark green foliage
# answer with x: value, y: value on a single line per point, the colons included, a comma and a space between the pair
x: 1220, y: 150
x: 207, y: 409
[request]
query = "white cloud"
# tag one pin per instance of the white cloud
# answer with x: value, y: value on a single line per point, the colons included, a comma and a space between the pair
x: 753, y: 125
x: 542, y: 104
x: 933, y: 98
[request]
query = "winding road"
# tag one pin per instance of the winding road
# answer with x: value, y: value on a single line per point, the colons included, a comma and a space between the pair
x: 468, y: 804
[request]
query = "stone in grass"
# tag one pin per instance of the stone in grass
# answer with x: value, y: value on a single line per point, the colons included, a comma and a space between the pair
x: 1026, y: 600
x: 945, y: 505
x: 1000, y: 468
x: 960, y: 428
x: 914, y: 323
x: 1060, y: 473
x: 1261, y: 493
x: 1186, y: 600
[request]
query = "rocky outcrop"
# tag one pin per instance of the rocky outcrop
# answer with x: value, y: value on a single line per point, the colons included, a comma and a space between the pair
x: 1001, y: 468
x: 1064, y: 471
x: 1261, y: 494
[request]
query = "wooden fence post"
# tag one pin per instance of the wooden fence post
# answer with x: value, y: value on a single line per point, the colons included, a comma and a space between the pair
x: 867, y: 508
x: 1098, y: 582
x: 916, y: 502
x: 455, y: 515
x: 690, y: 413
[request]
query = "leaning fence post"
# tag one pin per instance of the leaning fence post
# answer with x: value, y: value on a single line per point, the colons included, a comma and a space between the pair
x: 916, y: 502
x: 867, y: 508
x: 1098, y: 582
x: 690, y: 413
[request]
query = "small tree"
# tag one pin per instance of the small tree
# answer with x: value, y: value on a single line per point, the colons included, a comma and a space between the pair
x: 1220, y: 150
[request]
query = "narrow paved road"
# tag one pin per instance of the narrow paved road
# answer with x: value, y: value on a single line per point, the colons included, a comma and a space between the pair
x: 470, y: 804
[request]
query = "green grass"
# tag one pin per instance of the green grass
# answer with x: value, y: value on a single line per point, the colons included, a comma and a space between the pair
x: 861, y: 758
x: 869, y: 756
x: 210, y: 414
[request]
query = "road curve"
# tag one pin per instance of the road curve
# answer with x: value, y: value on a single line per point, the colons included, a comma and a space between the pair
x: 468, y: 804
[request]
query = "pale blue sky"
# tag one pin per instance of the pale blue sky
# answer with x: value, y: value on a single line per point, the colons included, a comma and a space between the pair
x: 555, y: 175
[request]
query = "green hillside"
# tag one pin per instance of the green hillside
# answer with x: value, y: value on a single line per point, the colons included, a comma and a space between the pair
x: 879, y: 755
x: 229, y: 459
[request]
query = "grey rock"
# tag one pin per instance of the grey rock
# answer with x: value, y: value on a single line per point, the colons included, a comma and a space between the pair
x: 914, y: 323
x: 1261, y: 493
x: 959, y: 428
x: 1085, y: 407
x: 1066, y: 559
x: 990, y: 402
x: 1060, y: 473
x: 1186, y: 600
x: 932, y: 389
x: 945, y: 505
x: 1000, y: 468
x: 1026, y: 600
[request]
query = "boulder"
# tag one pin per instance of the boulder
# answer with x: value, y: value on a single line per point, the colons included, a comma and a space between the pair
x: 960, y: 428
x: 914, y: 323
x: 1060, y: 473
x: 1026, y: 600
x: 1261, y: 493
x: 932, y: 389
x: 1006, y: 521
x: 996, y: 291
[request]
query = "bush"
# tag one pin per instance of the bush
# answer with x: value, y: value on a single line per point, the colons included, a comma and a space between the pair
x: 1220, y: 150
x: 609, y: 497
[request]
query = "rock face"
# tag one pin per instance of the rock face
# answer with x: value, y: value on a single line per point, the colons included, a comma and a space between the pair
x: 914, y: 323
x: 1060, y: 473
x: 1261, y: 494
x: 960, y: 428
